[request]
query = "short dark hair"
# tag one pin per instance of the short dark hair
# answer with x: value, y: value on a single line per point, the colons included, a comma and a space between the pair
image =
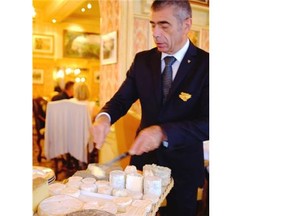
x: 68, y: 85
x: 183, y: 5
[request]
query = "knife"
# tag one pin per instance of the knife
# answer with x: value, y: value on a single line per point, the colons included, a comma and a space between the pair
x: 119, y: 157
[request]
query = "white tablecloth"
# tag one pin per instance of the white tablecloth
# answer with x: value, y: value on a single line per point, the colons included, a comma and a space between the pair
x: 67, y: 129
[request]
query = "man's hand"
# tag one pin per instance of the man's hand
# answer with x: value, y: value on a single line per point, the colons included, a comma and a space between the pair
x: 99, y: 130
x: 147, y: 140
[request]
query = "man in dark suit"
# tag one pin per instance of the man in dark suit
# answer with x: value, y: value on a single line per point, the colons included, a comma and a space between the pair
x: 171, y: 133
x: 67, y: 93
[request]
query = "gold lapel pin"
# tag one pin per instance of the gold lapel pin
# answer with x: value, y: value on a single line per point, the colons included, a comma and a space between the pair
x: 185, y: 96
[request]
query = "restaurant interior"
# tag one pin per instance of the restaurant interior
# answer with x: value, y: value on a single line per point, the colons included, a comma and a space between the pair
x: 94, y: 41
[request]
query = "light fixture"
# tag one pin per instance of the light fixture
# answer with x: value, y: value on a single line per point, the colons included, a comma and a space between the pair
x: 33, y: 12
x: 89, y: 5
x: 54, y: 20
x: 83, y: 10
x: 77, y: 71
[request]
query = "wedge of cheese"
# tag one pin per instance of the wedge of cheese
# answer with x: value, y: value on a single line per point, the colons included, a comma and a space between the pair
x: 40, y: 191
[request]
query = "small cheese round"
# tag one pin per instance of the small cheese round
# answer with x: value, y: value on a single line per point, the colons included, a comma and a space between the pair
x: 74, y: 178
x: 102, y: 183
x: 89, y: 180
x: 74, y: 184
x: 105, y: 190
x: 71, y: 191
x: 122, y: 203
x: 119, y: 192
x: 88, y: 187
x: 130, y: 169
x: 56, y: 188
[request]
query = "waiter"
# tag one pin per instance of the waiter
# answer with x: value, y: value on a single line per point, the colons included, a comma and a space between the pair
x: 174, y: 97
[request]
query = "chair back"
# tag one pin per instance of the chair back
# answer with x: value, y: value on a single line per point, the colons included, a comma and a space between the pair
x: 39, y: 113
x: 68, y: 130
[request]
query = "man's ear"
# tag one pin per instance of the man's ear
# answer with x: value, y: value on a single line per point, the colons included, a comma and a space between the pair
x: 187, y: 24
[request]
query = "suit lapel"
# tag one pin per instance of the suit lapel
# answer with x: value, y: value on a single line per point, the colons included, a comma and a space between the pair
x: 187, y: 66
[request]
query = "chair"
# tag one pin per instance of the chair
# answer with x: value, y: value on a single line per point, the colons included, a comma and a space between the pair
x: 125, y: 129
x: 67, y: 131
x: 39, y: 115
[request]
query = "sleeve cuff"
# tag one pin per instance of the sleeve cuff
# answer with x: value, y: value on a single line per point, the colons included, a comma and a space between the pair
x: 103, y: 113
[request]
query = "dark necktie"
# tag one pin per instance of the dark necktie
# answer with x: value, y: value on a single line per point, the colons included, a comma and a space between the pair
x: 167, y: 76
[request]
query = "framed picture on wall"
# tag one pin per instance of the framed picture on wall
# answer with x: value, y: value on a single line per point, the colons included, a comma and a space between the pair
x: 43, y: 44
x: 38, y: 76
x: 81, y: 45
x: 108, y: 48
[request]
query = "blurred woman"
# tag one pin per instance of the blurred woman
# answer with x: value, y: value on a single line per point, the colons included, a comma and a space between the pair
x: 82, y: 95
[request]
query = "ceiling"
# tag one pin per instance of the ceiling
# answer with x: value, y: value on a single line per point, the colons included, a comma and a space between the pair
x: 65, y: 10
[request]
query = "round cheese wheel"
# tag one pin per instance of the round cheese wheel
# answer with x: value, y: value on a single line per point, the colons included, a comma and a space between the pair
x: 59, y: 205
x: 90, y: 212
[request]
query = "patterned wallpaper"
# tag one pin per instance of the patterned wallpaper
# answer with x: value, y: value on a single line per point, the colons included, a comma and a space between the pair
x: 109, y: 74
x: 141, y: 37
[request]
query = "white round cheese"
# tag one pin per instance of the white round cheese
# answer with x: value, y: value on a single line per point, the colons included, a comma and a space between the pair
x: 134, y: 182
x: 59, y: 205
x: 56, y: 188
x: 105, y: 190
x: 153, y: 185
x: 88, y: 187
x: 71, y: 191
x: 75, y: 178
x: 119, y: 192
x: 89, y: 180
x: 117, y: 179
x: 130, y: 169
x: 122, y: 203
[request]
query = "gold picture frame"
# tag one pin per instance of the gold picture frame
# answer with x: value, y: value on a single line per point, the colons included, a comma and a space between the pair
x: 81, y: 45
x: 43, y: 44
x: 108, y: 48
x: 38, y: 76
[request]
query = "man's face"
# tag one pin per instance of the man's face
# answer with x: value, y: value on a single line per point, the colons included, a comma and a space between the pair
x: 168, y: 32
x: 70, y: 91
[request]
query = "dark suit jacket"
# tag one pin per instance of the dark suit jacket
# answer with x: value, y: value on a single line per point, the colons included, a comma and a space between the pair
x: 185, y: 122
x: 60, y: 96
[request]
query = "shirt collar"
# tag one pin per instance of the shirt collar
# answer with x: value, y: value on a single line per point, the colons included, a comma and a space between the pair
x: 179, y: 55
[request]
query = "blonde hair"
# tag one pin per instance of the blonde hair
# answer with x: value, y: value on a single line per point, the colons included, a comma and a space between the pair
x: 82, y: 92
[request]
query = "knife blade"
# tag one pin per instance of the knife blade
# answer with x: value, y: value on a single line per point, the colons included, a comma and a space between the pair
x: 119, y: 157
